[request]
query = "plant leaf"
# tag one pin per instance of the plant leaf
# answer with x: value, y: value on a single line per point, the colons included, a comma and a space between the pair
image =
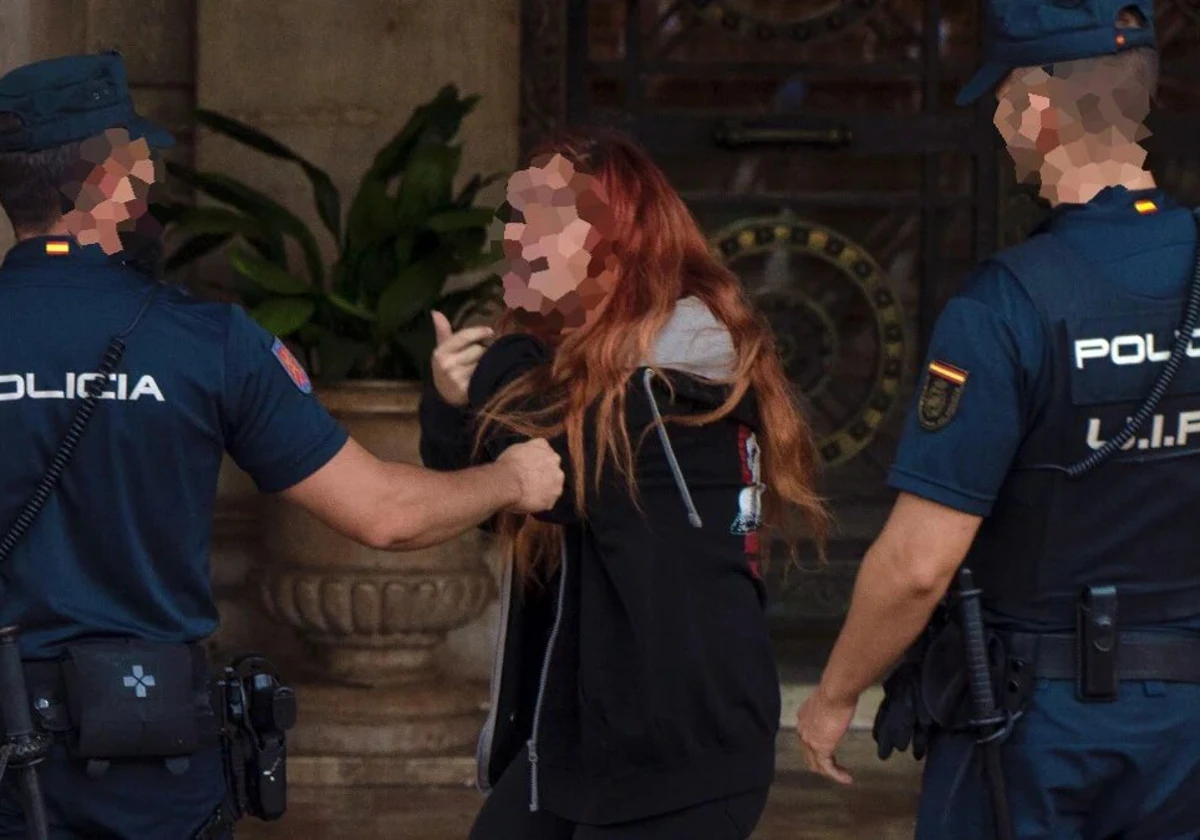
x: 477, y: 218
x: 218, y: 220
x: 267, y: 275
x: 351, y: 308
x: 376, y: 269
x: 487, y: 257
x: 249, y: 293
x: 431, y: 125
x: 167, y: 212
x: 460, y: 305
x: 416, y: 345
x: 329, y: 202
x: 269, y: 213
x: 336, y: 355
x: 402, y: 246
x: 466, y: 196
x: 412, y: 291
x: 194, y: 249
x: 339, y: 356
x: 372, y: 218
x: 428, y: 181
x: 270, y: 247
x: 283, y: 316
x: 434, y: 123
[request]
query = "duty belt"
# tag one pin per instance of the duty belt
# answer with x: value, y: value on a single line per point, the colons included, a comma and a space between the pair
x: 51, y: 713
x: 1139, y: 655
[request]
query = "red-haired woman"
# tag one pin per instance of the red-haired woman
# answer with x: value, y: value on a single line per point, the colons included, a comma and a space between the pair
x: 637, y: 695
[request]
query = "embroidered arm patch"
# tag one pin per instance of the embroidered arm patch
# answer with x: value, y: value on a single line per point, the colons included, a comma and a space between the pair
x: 940, y: 395
x: 292, y: 365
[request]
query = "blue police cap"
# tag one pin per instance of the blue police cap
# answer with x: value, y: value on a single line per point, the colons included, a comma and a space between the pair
x: 1034, y: 33
x: 65, y: 100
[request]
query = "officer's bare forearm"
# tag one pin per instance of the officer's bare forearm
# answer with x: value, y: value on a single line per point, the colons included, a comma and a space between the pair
x: 887, y: 613
x: 902, y: 577
x: 426, y: 509
x: 401, y: 507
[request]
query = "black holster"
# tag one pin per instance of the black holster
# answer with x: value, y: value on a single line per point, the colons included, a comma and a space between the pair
x: 259, y: 710
x: 945, y: 687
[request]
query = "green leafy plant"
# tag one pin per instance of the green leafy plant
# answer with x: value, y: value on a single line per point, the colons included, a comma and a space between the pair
x: 406, y: 233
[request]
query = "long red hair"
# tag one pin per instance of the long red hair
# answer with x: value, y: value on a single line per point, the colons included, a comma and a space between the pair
x: 656, y: 255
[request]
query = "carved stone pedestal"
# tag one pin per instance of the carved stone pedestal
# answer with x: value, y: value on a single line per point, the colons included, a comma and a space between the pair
x: 374, y: 706
x: 422, y: 734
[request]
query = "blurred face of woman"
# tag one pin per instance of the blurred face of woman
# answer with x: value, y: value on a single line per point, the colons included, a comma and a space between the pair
x: 561, y: 224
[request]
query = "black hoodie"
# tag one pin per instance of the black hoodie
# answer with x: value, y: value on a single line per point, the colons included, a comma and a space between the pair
x: 641, y: 677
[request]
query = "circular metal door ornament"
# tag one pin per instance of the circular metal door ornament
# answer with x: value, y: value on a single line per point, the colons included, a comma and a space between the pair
x: 828, y: 19
x: 837, y: 321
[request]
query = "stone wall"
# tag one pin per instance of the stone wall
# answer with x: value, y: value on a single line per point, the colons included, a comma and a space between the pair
x: 335, y: 81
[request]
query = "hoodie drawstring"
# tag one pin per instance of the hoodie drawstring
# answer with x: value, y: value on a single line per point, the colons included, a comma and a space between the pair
x: 693, y: 515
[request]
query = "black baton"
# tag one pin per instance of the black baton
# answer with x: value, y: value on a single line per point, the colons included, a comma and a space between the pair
x: 25, y: 746
x: 987, y: 716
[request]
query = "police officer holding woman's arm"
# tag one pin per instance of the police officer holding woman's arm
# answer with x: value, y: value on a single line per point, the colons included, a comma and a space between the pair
x: 105, y: 565
x: 1050, y: 465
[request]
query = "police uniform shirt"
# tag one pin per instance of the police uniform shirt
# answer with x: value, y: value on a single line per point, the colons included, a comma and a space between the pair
x: 122, y: 546
x: 988, y: 361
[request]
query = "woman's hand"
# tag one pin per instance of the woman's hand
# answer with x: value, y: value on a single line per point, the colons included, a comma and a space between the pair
x: 455, y: 358
x: 822, y: 723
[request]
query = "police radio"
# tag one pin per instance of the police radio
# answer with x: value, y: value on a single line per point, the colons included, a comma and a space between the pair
x: 260, y: 710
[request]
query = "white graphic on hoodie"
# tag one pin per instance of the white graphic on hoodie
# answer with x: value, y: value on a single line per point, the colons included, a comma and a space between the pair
x: 749, y: 515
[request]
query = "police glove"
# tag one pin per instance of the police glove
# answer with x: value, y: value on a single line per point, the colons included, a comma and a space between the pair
x: 896, y: 723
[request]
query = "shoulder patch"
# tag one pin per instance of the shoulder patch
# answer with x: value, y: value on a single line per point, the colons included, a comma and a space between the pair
x: 943, y: 388
x: 292, y: 365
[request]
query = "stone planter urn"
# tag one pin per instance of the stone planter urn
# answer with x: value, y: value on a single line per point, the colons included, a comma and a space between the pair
x: 373, y: 620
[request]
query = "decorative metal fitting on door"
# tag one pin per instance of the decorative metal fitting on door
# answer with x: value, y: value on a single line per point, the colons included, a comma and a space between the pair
x: 740, y: 17
x: 809, y: 317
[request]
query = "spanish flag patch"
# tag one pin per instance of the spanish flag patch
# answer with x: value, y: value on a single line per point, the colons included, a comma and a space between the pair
x: 1145, y: 206
x: 58, y: 248
x: 940, y: 395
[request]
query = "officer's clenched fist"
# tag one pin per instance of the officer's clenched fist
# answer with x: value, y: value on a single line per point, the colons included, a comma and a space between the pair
x: 538, y: 468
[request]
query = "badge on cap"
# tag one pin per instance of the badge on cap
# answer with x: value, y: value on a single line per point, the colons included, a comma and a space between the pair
x: 292, y: 365
x: 943, y: 387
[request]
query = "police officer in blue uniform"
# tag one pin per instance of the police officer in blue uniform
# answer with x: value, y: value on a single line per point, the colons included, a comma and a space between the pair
x: 1048, y: 466
x: 107, y: 575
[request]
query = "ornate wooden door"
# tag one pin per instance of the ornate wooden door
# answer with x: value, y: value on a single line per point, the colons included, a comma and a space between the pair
x: 818, y: 144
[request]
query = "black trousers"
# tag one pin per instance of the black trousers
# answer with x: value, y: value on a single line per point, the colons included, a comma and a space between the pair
x: 506, y: 816
x: 133, y: 800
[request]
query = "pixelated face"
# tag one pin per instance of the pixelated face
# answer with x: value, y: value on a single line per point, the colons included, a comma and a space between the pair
x: 558, y: 245
x: 1056, y: 126
x: 113, y: 192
